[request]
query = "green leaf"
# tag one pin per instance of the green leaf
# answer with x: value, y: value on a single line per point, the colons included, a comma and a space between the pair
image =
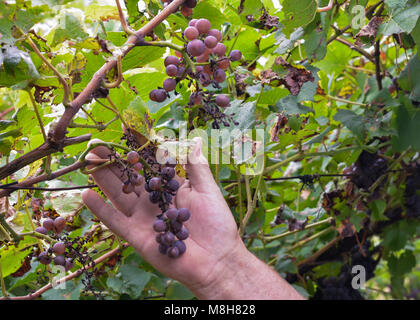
x: 290, y: 105
x: 396, y: 235
x: 129, y: 280
x: 406, y: 121
x: 316, y: 44
x: 177, y: 291
x: 206, y: 10
x: 403, y: 264
x: 298, y: 13
x: 409, y: 80
x: 283, y: 43
x: 402, y: 19
x: 12, y: 257
x: 141, y: 56
x: 378, y: 208
x: 69, y: 27
x: 352, y: 121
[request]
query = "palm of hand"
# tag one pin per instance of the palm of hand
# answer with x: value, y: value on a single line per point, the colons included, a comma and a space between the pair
x: 213, y: 231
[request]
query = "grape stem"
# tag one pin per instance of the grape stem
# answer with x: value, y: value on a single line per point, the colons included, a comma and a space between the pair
x: 71, y: 276
x: 124, y: 25
x: 288, y: 233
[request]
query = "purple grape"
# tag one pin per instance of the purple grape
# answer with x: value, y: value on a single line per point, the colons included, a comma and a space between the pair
x: 168, y: 238
x: 136, y: 180
x: 181, y: 246
x: 147, y: 188
x: 186, y: 11
x: 192, y: 23
x: 59, y: 224
x: 132, y: 157
x: 172, y: 214
x: 205, y: 79
x: 172, y: 70
x: 127, y: 187
x: 60, y: 261
x: 59, y: 248
x: 203, y: 58
x: 183, y: 214
x: 203, y: 26
x: 48, y: 224
x: 69, y: 264
x: 222, y: 100
x: 176, y: 226
x: 155, y: 196
x: 223, y: 63
x: 163, y: 248
x: 157, y: 95
x: 171, y: 60
x: 210, y: 42
x: 235, y: 55
x: 168, y: 173
x: 181, y: 72
x: 219, y: 50
x: 195, y: 48
x: 191, y: 33
x: 195, y: 98
x: 41, y: 230
x: 173, y: 185
x: 216, y: 33
x: 155, y: 184
x: 44, y: 258
x: 191, y: 3
x: 168, y: 197
x: 159, y: 238
x: 169, y: 84
x: 182, y: 234
x: 219, y: 75
x: 160, y: 225
x: 173, y: 252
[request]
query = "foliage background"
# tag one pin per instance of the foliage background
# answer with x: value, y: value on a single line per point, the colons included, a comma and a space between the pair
x: 348, y: 109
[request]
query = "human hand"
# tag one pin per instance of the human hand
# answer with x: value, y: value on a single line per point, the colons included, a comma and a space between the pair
x: 215, y: 253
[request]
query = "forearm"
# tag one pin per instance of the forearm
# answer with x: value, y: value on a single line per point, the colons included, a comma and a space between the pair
x: 245, y: 277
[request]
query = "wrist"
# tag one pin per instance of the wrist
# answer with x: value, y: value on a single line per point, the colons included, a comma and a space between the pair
x: 240, y: 275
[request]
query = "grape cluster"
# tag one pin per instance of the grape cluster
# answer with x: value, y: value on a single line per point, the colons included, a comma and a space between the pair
x: 186, y: 8
x: 367, y: 169
x: 54, y: 225
x: 411, y: 193
x: 204, y: 62
x: 171, y: 232
x: 336, y: 289
x: 162, y: 188
x: 132, y: 169
x: 57, y: 252
x: 169, y: 224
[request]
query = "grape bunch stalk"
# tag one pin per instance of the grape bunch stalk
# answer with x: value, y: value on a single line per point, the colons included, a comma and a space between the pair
x: 204, y: 62
x: 161, y: 188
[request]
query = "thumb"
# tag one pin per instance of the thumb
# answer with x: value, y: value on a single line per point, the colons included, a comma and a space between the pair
x: 198, y: 170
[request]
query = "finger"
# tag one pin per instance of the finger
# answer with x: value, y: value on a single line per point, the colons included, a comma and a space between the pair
x: 114, y: 220
x: 111, y: 185
x: 198, y: 170
x: 104, y: 153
